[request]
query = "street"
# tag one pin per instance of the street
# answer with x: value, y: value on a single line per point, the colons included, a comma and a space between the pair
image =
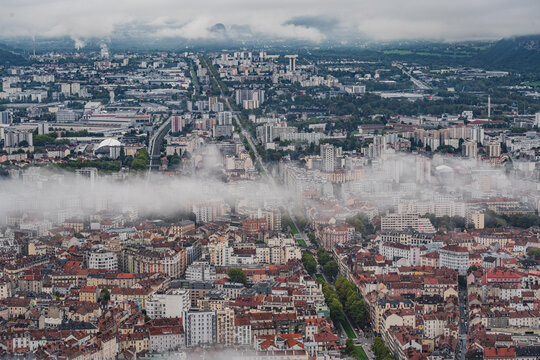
x: 419, y: 84
x: 154, y: 145
x: 461, y: 348
x: 258, y: 159
x: 361, y: 340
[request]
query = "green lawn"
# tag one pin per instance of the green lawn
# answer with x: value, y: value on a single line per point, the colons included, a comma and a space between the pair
x: 360, y: 353
x: 348, y: 329
x: 301, y: 242
x: 294, y: 230
x: 423, y: 53
x: 397, y: 52
x: 319, y: 276
x: 194, y: 80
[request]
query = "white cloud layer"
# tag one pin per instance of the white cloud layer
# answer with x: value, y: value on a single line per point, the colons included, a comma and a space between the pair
x: 369, y: 19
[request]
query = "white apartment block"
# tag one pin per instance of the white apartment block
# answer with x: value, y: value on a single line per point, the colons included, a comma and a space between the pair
x: 406, y: 237
x: 221, y: 254
x: 233, y: 290
x: 166, y: 339
x: 172, y: 304
x: 391, y: 250
x: 208, y: 211
x: 434, y: 326
x: 201, y: 272
x: 200, y: 328
x: 105, y: 260
x: 404, y: 221
x: 438, y: 207
x: 454, y: 257
x: 243, y: 333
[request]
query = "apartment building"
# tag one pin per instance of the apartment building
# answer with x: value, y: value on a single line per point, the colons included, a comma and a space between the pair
x: 404, y: 221
x: 102, y: 259
x: 171, y: 304
x: 225, y: 327
x: 335, y: 234
x: 142, y: 260
x: 200, y: 327
x: 164, y: 339
x: 454, y: 257
x: 396, y: 250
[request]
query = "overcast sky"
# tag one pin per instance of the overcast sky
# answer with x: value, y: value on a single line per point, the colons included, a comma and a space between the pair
x: 312, y: 20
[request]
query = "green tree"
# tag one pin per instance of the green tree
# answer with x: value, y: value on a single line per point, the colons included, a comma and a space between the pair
x: 122, y: 156
x: 142, y: 153
x: 534, y: 253
x: 105, y: 295
x: 343, y: 286
x: 361, y: 224
x: 331, y: 269
x: 358, y: 311
x: 353, y: 303
x: 336, y: 310
x: 350, y: 349
x: 380, y: 350
x: 323, y: 256
x: 350, y: 298
x: 174, y: 161
x: 139, y: 164
x: 310, y: 264
x: 237, y: 276
x: 522, y: 221
x: 493, y: 220
x: 357, y: 223
x: 45, y: 139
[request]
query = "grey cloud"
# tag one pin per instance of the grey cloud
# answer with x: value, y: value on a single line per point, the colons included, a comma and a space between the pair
x: 162, y: 195
x: 322, y: 23
x: 309, y: 20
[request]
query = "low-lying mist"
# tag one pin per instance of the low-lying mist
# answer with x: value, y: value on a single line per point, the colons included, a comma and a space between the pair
x: 40, y: 193
x: 43, y: 194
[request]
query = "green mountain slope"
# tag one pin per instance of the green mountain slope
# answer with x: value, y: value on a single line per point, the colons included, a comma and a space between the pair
x: 8, y: 58
x: 519, y: 53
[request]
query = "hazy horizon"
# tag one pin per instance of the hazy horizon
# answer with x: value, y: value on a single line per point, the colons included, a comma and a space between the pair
x: 316, y: 22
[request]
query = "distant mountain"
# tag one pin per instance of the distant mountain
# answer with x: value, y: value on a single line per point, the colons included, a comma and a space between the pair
x: 519, y: 53
x: 9, y: 58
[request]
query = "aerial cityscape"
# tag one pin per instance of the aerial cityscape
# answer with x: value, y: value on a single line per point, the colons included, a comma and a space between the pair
x: 298, y: 180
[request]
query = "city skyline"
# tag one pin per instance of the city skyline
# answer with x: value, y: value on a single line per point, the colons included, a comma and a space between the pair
x: 305, y: 180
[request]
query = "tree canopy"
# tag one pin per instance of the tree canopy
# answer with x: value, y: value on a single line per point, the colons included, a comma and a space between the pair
x: 322, y: 256
x: 361, y: 224
x: 534, y: 253
x: 353, y: 303
x: 523, y: 221
x: 310, y: 264
x: 237, y: 276
x: 331, y: 269
x: 140, y: 163
x: 380, y: 350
